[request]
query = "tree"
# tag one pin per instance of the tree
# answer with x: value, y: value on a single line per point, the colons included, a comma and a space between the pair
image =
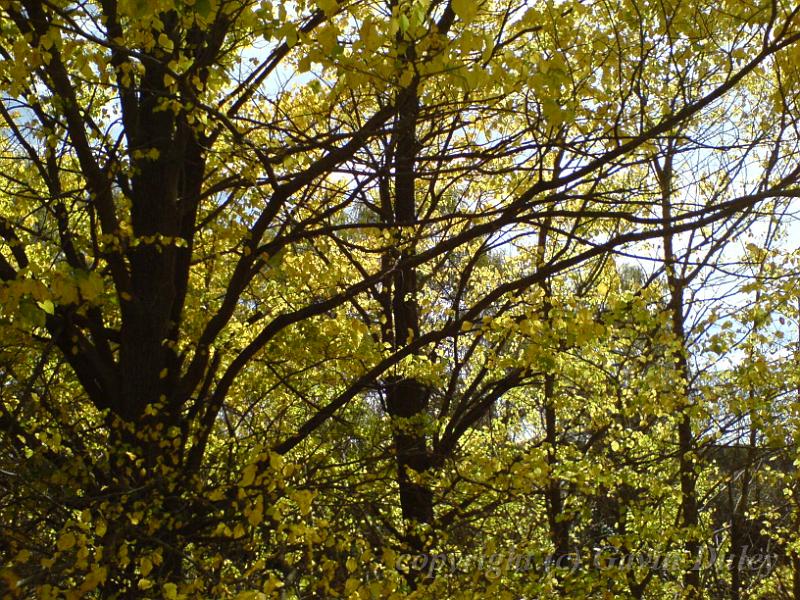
x: 274, y: 276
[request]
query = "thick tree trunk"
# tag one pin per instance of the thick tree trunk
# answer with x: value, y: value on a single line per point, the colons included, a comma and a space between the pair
x: 407, y: 399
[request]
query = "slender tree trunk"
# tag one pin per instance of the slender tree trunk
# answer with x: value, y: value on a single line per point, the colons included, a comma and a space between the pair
x: 686, y: 462
x: 739, y: 515
x: 558, y: 525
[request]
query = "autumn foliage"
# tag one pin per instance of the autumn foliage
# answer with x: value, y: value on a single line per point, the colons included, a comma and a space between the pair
x: 322, y: 299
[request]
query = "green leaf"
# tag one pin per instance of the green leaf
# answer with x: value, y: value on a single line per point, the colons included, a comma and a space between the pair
x: 403, y: 23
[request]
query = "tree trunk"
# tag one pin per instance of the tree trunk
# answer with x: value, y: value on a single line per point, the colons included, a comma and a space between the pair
x: 407, y: 399
x: 686, y: 467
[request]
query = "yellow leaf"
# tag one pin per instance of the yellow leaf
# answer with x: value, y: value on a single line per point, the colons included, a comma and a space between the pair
x: 273, y: 584
x: 275, y: 460
x: 47, y: 306
x: 91, y: 286
x: 165, y: 42
x: 257, y: 513
x: 389, y: 557
x: 250, y: 595
x: 248, y: 476
x: 303, y: 499
x: 328, y: 6
x: 291, y: 37
x: 369, y: 35
x: 406, y: 77
x: 146, y: 565
x: 466, y: 10
x: 145, y: 584
x: 304, y: 64
x: 66, y: 541
x: 95, y: 577
x: 351, y: 585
